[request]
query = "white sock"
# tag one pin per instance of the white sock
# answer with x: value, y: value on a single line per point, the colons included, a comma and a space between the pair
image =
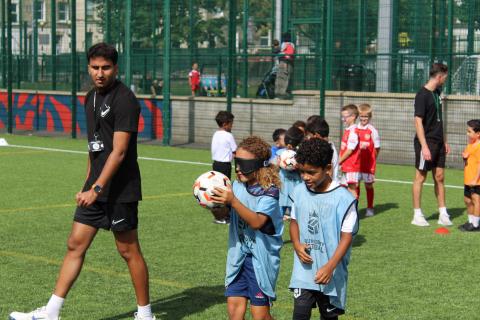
x: 470, y: 218
x: 54, y: 305
x: 443, y: 210
x: 418, y: 212
x: 475, y: 221
x: 145, y: 311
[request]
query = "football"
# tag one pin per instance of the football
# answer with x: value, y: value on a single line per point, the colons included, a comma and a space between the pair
x: 204, y: 186
x: 287, y: 160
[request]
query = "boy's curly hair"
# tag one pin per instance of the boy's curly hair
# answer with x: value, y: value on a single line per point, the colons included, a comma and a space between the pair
x: 266, y: 176
x: 316, y: 152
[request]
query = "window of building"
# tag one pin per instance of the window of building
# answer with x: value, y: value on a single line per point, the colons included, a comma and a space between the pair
x: 44, y: 39
x: 40, y: 10
x: 63, y: 12
x: 14, y: 11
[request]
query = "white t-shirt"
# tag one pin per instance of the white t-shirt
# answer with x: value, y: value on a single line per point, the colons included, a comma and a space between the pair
x: 334, y: 163
x: 223, y: 146
x: 350, y: 218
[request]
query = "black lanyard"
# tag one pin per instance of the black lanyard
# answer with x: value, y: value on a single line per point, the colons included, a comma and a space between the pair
x: 438, y: 107
x: 96, y: 113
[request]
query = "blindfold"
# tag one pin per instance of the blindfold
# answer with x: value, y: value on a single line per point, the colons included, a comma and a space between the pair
x: 250, y: 165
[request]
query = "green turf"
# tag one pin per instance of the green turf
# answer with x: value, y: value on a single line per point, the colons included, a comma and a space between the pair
x: 397, y: 271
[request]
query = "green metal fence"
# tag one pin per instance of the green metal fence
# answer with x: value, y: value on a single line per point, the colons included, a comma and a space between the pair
x: 358, y: 45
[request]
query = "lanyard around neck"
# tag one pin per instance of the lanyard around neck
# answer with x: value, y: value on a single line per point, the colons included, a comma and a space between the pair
x: 438, y: 107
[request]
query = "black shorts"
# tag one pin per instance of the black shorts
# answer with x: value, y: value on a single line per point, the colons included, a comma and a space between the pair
x: 109, y: 216
x: 223, y: 167
x: 437, y: 150
x: 305, y: 300
x: 468, y: 190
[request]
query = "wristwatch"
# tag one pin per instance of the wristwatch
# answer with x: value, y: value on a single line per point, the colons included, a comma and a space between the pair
x: 97, y: 188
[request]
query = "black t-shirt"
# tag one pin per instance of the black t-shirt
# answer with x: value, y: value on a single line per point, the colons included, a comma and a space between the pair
x: 426, y: 104
x: 120, y: 112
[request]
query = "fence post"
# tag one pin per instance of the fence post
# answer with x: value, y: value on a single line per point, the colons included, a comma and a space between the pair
x: 35, y: 42
x: 166, y: 73
x: 9, y: 65
x: 324, y: 55
x: 219, y: 76
x: 245, y: 47
x: 231, y: 51
x: 4, y: 49
x: 449, y: 44
x: 128, y: 43
x: 73, y: 31
x: 53, y: 17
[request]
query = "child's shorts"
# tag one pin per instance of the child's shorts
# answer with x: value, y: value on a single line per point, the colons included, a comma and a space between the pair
x: 468, y: 190
x: 305, y: 300
x: 355, y: 177
x: 245, y: 285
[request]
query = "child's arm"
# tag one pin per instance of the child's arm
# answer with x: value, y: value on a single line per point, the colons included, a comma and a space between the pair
x: 300, y: 248
x: 324, y: 274
x: 345, y: 156
x: 253, y: 219
x: 352, y: 144
x: 377, y: 151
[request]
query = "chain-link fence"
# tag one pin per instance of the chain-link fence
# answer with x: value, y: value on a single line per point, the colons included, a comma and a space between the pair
x: 364, y: 45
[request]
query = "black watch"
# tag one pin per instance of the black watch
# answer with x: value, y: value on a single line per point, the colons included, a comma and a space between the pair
x: 97, y: 188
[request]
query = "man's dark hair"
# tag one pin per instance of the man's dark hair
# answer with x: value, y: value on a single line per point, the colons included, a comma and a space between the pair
x: 286, y: 37
x: 293, y: 137
x: 315, y: 152
x: 474, y: 124
x: 224, y: 117
x: 277, y: 133
x: 438, y: 68
x: 318, y: 125
x: 103, y: 50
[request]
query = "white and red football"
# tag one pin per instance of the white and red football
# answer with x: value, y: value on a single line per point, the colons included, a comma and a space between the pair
x: 287, y: 161
x: 204, y: 186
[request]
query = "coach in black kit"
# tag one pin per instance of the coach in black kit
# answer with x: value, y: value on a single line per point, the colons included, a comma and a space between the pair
x: 109, y: 198
x: 430, y: 145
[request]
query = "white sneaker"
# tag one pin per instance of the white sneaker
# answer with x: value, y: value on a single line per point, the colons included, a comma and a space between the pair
x: 138, y: 317
x: 444, y: 220
x: 420, y: 221
x: 39, y: 314
x: 370, y: 212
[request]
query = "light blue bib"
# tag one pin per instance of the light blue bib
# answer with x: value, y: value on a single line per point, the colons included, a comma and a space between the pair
x: 320, y: 217
x: 243, y: 240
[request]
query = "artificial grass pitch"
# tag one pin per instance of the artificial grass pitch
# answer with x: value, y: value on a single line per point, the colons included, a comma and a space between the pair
x: 397, y: 270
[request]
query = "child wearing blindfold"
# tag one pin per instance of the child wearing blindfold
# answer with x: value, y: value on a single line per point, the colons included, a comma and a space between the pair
x: 255, y: 234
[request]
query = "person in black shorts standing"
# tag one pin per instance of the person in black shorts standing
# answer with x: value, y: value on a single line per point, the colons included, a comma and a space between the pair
x: 110, y: 195
x: 430, y: 145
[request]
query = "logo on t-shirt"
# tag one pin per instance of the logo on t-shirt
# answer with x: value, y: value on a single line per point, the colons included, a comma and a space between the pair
x: 104, y: 111
x: 313, y: 223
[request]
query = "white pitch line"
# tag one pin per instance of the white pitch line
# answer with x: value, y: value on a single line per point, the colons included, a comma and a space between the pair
x: 199, y: 163
x: 410, y: 182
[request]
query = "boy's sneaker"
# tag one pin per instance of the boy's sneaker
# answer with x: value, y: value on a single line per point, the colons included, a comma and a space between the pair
x: 419, y: 220
x: 369, y: 213
x: 468, y: 227
x: 223, y: 221
x: 138, y: 317
x: 39, y: 314
x: 444, y: 220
